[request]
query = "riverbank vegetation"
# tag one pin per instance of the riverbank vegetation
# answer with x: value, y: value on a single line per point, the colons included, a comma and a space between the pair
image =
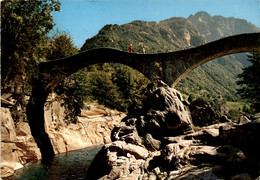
x: 24, y: 26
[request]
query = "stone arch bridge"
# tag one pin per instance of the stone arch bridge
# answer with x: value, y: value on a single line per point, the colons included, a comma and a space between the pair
x: 170, y: 67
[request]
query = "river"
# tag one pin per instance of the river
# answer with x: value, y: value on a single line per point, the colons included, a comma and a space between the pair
x: 67, y: 166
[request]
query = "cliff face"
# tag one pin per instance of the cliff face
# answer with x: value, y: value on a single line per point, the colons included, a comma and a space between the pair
x: 93, y: 127
x: 216, y: 27
x: 18, y: 146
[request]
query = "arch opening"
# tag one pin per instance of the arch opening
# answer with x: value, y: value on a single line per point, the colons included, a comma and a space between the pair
x: 101, y: 79
x: 216, y: 84
x: 112, y: 84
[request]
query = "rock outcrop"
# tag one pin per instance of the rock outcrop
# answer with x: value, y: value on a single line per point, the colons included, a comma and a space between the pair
x: 18, y: 146
x: 93, y: 127
x: 203, y: 114
x: 161, y: 143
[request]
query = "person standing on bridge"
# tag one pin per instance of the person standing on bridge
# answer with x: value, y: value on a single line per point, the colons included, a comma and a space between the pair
x: 143, y: 50
x: 130, y: 49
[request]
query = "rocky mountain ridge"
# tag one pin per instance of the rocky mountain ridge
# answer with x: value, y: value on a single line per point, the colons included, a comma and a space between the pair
x: 216, y: 27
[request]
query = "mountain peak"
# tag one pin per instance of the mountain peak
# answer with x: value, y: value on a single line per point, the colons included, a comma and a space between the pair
x: 216, y: 27
x: 201, y: 14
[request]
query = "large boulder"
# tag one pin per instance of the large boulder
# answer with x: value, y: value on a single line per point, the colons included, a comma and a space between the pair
x: 160, y: 143
x: 164, y: 113
x: 116, y: 160
x: 203, y: 114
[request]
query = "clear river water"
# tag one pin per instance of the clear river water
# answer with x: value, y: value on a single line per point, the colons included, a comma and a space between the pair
x: 67, y: 166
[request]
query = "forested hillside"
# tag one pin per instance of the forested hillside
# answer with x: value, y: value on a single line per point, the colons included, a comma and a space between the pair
x: 218, y: 76
x: 209, y: 80
x: 168, y: 35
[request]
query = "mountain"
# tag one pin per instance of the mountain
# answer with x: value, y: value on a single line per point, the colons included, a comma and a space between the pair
x: 220, y: 75
x: 210, y: 79
x: 169, y: 35
x: 216, y: 27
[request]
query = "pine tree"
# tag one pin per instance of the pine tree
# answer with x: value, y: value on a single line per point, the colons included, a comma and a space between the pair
x: 250, y: 81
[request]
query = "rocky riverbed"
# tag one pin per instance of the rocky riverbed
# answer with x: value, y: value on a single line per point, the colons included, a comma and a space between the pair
x: 18, y: 146
x: 163, y: 142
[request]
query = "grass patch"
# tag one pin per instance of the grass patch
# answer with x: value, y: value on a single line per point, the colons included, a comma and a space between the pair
x: 236, y: 105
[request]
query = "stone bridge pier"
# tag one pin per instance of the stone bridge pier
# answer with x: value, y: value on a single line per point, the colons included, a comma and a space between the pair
x: 170, y: 67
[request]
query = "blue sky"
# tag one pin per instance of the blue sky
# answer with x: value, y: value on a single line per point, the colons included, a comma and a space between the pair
x: 82, y: 19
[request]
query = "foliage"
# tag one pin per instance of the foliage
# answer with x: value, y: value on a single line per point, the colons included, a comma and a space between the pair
x: 24, y: 25
x: 73, y: 89
x: 191, y: 98
x: 239, y: 105
x: 212, y: 79
x: 250, y: 82
x: 164, y: 36
x: 248, y: 109
x: 60, y: 45
x: 116, y: 86
x: 104, y: 90
x: 200, y: 102
x: 233, y: 115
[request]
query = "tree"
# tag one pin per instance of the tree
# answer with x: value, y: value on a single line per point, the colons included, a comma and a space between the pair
x: 74, y: 89
x: 131, y: 86
x: 191, y: 98
x: 61, y: 45
x: 104, y: 90
x: 250, y: 82
x: 24, y: 25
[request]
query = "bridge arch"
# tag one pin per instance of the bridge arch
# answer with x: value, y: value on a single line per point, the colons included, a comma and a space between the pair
x: 170, y: 67
x: 57, y: 70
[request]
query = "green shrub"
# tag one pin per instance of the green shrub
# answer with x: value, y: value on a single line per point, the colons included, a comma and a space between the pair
x: 234, y: 115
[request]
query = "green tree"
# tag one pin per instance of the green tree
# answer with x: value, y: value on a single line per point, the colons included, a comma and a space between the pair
x: 233, y: 115
x: 131, y: 86
x: 104, y: 90
x: 24, y: 25
x: 247, y: 108
x: 250, y: 82
x: 191, y: 98
x: 74, y: 89
x: 60, y: 45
